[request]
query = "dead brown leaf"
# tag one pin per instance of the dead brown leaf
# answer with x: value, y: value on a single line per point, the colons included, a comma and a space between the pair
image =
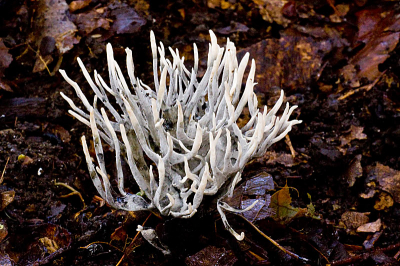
x: 354, y: 170
x: 289, y: 62
x: 76, y: 5
x: 379, y: 29
x: 212, y: 255
x: 6, y: 197
x: 91, y: 20
x: 353, y: 220
x: 5, y: 57
x: 52, y: 21
x: 387, y: 178
x: 353, y: 133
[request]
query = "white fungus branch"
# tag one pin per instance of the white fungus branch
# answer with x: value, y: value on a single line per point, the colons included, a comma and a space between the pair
x: 186, y: 127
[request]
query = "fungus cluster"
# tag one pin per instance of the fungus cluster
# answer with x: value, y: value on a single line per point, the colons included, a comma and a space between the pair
x: 180, y: 139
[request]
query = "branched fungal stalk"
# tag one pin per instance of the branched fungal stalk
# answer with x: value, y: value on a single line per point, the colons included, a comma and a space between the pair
x: 186, y: 127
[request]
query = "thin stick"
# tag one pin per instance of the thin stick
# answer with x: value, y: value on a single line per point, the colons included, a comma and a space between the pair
x: 288, y: 252
x: 4, y: 170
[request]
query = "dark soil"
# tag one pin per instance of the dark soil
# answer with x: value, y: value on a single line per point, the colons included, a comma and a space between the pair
x: 338, y: 61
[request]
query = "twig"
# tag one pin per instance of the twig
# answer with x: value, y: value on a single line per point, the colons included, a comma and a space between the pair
x: 74, y: 192
x: 366, y: 88
x: 129, y: 248
x: 4, y: 170
x: 284, y: 250
x: 289, y: 143
x: 363, y: 256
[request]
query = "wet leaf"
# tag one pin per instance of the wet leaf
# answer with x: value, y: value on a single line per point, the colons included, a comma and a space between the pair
x: 280, y: 204
x: 260, y: 211
x: 259, y: 185
x: 126, y: 19
x: 212, y: 255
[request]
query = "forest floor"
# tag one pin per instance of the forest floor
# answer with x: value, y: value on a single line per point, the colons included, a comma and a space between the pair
x: 333, y: 184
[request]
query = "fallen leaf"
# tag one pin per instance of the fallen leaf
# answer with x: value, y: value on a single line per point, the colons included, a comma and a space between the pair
x: 50, y: 245
x: 126, y: 19
x: 233, y: 28
x: 271, y: 11
x: 76, y: 5
x: 370, y: 227
x: 387, y: 178
x: 280, y: 204
x: 52, y: 22
x: 259, y: 185
x: 354, y: 170
x: 353, y: 133
x: 353, y: 220
x: 379, y: 29
x: 384, y: 201
x: 290, y: 62
x: 370, y: 241
x: 3, y: 231
x: 285, y: 159
x: 212, y: 255
x: 91, y: 20
x: 260, y: 211
x: 6, y: 197
x: 5, y: 57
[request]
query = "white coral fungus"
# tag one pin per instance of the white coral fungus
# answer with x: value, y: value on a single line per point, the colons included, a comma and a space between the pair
x: 185, y: 129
